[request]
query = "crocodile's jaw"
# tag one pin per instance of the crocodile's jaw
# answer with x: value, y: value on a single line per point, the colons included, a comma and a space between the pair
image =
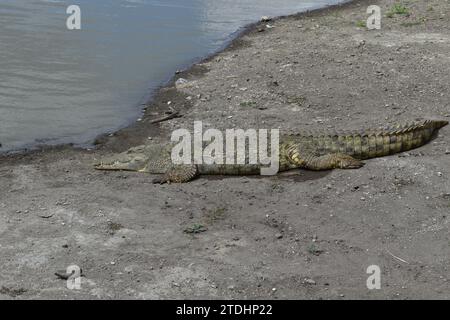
x: 131, y: 164
x: 152, y: 158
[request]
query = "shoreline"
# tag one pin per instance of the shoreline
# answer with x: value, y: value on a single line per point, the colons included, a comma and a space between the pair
x: 297, y: 235
x: 117, y: 140
x: 168, y: 91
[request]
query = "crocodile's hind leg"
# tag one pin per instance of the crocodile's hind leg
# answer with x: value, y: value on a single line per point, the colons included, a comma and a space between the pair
x: 324, y: 162
x: 178, y: 174
x: 332, y: 161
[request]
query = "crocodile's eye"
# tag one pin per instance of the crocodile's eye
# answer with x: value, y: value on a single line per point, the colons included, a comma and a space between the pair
x: 136, y: 164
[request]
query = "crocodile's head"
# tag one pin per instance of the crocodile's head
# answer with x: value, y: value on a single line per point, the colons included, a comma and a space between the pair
x: 135, y: 159
x: 120, y: 162
x: 146, y: 158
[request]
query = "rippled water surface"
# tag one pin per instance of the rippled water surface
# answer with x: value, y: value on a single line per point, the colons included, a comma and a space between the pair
x: 59, y: 86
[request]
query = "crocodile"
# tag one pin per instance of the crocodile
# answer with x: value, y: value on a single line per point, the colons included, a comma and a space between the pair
x: 302, y: 150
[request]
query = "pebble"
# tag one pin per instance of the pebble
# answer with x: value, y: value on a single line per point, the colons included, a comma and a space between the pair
x: 180, y: 83
x: 309, y: 281
x: 46, y: 215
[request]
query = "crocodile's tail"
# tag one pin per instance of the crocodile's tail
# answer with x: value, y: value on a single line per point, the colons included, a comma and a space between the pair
x: 378, y: 143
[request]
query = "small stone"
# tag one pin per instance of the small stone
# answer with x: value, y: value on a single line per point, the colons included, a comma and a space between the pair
x: 265, y: 18
x: 180, y: 83
x: 46, y: 215
x: 279, y: 236
x: 309, y: 281
x: 128, y: 269
x: 439, y: 174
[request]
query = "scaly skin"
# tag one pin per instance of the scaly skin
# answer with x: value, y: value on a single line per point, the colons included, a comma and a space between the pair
x: 312, y: 151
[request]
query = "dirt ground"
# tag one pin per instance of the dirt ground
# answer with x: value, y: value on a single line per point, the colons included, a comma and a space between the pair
x: 298, y: 235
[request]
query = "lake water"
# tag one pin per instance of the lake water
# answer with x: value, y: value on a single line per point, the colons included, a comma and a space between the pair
x: 59, y: 85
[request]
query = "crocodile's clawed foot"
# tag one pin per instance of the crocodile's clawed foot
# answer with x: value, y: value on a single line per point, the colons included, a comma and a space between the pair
x: 347, y: 162
x: 160, y: 180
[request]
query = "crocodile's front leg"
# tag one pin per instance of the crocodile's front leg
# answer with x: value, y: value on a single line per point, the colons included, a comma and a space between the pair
x: 178, y: 174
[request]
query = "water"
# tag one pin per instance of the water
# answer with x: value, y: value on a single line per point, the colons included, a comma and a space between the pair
x: 60, y: 86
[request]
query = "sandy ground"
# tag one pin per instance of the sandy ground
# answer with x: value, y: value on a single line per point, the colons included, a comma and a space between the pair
x: 298, y: 235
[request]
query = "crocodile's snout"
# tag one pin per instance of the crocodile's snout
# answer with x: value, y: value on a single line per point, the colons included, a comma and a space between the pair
x: 127, y: 164
x: 108, y: 165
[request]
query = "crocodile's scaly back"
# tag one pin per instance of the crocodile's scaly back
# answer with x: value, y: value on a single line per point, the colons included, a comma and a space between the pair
x: 372, y: 143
